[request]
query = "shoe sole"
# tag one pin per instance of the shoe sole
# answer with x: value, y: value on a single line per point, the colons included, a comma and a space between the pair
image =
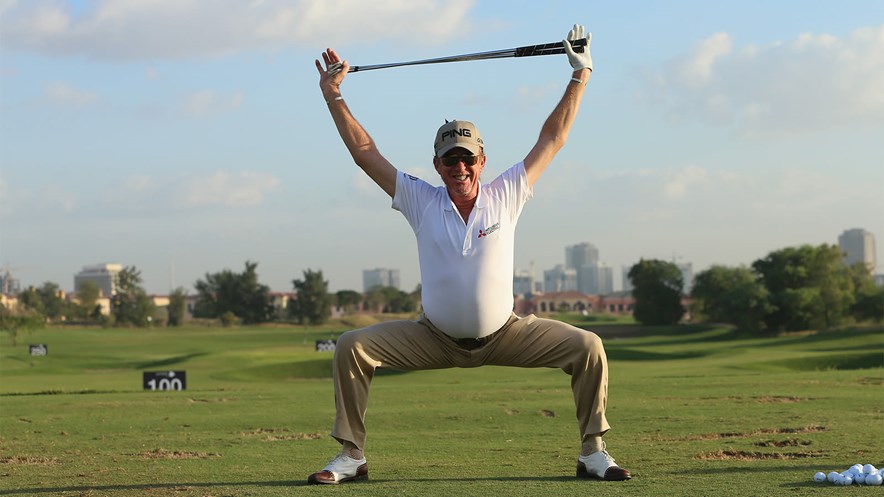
x: 314, y: 481
x: 583, y: 473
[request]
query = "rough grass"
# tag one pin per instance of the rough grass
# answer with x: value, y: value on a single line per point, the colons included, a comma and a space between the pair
x: 696, y: 411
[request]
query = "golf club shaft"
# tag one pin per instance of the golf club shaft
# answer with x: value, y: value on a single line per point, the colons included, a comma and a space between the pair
x: 526, y: 51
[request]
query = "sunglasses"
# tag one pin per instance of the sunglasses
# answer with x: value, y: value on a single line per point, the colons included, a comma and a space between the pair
x: 451, y: 160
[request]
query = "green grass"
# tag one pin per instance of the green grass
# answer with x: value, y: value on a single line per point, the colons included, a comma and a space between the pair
x: 695, y: 410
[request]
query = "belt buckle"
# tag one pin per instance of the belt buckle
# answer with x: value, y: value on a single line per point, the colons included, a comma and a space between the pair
x: 470, y: 343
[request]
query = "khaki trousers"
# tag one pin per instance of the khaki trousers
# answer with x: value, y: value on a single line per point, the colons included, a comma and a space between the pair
x: 529, y: 342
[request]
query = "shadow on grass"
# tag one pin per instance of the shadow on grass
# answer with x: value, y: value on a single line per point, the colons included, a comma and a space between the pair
x: 618, y: 354
x: 149, y: 486
x: 169, y: 361
x: 286, y: 483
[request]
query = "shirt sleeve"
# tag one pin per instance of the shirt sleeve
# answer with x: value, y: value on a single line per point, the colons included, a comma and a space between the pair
x: 513, y: 189
x: 411, y: 198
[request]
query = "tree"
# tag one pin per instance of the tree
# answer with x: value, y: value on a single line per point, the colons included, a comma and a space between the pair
x: 236, y: 293
x: 45, y: 300
x: 131, y: 305
x: 87, y: 298
x: 312, y: 302
x: 869, y: 305
x: 14, y: 322
x: 177, y: 302
x: 348, y: 300
x: 731, y: 295
x: 657, y: 287
x: 869, y: 301
x: 809, y: 287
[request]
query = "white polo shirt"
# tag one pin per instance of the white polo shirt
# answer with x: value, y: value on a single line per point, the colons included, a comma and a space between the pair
x: 466, y: 268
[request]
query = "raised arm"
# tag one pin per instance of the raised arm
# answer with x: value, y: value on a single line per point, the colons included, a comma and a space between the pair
x: 554, y: 132
x: 362, y: 148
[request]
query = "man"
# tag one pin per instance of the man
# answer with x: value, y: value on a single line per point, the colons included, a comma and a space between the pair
x: 465, y: 232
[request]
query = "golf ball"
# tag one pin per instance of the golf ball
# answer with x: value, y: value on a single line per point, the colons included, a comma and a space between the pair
x: 859, y: 478
x: 869, y: 469
x: 832, y: 476
x: 847, y: 481
x: 819, y: 476
x: 874, y: 480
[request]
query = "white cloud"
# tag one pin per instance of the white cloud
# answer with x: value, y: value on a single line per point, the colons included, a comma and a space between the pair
x: 156, y: 29
x: 811, y: 83
x: 245, y: 188
x: 697, y: 68
x: 209, y: 103
x: 65, y: 94
x: 676, y: 183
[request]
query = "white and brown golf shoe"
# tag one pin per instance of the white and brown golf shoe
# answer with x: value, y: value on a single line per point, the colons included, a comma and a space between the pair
x: 341, y: 469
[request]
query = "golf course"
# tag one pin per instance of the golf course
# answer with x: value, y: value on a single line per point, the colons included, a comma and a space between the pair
x: 695, y: 409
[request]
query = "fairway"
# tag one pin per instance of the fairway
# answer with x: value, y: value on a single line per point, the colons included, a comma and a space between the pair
x: 695, y: 411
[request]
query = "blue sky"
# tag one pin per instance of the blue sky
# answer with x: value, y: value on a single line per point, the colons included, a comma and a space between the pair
x: 185, y: 137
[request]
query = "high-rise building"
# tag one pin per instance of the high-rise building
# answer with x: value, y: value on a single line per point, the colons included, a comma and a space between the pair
x: 104, y: 275
x: 858, y: 245
x: 626, y: 283
x: 523, y: 283
x: 595, y: 279
x: 8, y: 284
x: 380, y: 277
x: 687, y: 276
x: 577, y: 256
x: 559, y: 279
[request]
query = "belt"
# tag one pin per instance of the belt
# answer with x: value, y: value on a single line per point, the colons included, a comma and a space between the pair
x: 472, y: 343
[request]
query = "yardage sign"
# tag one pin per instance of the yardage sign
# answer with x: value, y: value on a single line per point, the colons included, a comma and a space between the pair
x: 165, y: 380
x: 325, y: 345
x: 40, y: 349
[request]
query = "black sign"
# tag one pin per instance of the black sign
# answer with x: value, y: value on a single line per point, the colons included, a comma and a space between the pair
x: 165, y: 380
x: 325, y: 345
x: 40, y: 349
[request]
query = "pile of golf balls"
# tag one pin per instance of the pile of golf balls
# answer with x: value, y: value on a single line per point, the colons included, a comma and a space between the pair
x: 861, y: 474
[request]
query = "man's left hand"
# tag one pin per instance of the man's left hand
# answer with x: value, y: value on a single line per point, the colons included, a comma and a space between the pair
x: 578, y: 60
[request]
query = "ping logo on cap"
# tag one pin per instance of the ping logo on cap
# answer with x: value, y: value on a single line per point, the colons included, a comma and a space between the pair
x: 457, y: 132
x: 454, y: 134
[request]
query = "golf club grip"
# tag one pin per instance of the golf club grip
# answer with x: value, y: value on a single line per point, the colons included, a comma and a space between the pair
x: 549, y: 48
x: 526, y: 51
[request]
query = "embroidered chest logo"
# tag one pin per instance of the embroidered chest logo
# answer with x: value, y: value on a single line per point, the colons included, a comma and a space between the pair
x: 487, y: 231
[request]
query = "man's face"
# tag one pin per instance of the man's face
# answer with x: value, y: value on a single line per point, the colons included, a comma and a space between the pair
x: 461, y: 179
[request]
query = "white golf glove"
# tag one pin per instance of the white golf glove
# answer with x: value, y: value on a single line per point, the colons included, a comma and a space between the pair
x: 583, y: 59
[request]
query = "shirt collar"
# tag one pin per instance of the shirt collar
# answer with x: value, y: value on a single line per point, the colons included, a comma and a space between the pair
x: 481, y: 200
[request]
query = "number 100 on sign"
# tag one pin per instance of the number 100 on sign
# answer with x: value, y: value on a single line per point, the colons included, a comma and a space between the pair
x: 165, y: 380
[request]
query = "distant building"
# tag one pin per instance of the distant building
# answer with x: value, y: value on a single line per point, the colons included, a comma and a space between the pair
x: 523, y: 283
x: 577, y: 256
x: 858, y: 245
x: 595, y: 279
x: 687, y: 276
x: 105, y: 275
x: 559, y: 279
x: 627, y: 283
x: 569, y: 301
x: 8, y: 284
x: 618, y: 303
x: 380, y: 277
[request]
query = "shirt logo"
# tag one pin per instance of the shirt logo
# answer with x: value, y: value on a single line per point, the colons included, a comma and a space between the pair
x: 487, y: 231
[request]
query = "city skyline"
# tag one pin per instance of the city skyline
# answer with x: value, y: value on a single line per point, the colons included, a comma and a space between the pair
x: 186, y: 138
x: 391, y: 276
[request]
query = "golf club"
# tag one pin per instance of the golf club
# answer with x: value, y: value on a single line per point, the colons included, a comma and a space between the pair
x: 526, y: 51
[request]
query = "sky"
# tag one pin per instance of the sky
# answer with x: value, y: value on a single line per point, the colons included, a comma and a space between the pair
x: 186, y: 137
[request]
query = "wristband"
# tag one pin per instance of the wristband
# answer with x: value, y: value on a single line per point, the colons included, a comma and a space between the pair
x: 328, y: 102
x: 578, y: 81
